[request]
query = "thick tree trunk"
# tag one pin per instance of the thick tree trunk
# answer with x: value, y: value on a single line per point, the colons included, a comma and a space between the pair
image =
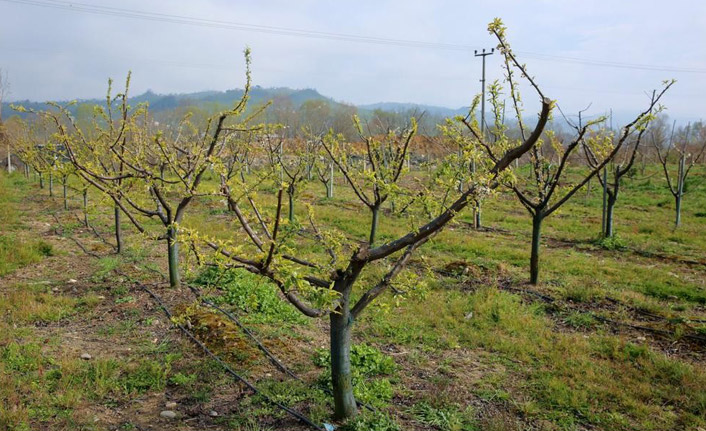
x: 374, y: 224
x: 173, y: 256
x: 118, y: 230
x: 341, y: 324
x: 534, y: 257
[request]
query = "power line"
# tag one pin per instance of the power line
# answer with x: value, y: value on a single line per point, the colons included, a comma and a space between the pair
x: 312, y: 34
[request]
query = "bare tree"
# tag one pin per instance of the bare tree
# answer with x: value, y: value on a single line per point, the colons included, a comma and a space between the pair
x: 386, y: 155
x: 620, y: 165
x: 292, y: 158
x: 323, y: 284
x: 688, y: 152
x: 539, y: 192
x: 158, y: 174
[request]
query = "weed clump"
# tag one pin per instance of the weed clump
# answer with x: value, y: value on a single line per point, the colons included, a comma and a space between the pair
x: 250, y: 294
x: 368, y: 366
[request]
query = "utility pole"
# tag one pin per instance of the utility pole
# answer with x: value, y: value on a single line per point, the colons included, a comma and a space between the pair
x: 482, y: 54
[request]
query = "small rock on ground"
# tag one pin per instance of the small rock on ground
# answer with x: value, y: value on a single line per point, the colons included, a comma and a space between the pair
x: 168, y: 414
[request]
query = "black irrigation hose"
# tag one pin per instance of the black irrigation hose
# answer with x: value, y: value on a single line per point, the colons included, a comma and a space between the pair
x: 96, y: 233
x: 647, y: 313
x: 275, y: 361
x: 697, y: 338
x: 226, y: 367
x: 193, y: 338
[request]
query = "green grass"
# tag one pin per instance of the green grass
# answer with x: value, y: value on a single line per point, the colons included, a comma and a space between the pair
x: 444, y: 418
x: 15, y: 250
x: 250, y: 294
x: 476, y: 346
x: 566, y: 378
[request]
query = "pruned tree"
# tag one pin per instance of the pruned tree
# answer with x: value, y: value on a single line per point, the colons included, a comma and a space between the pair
x: 323, y: 282
x: 33, y: 144
x: 291, y: 158
x: 323, y: 168
x: 618, y: 167
x: 544, y: 190
x: 159, y: 174
x: 386, y: 155
x: 688, y: 153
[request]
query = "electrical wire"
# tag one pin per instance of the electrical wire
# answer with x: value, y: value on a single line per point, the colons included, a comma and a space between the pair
x: 284, y: 31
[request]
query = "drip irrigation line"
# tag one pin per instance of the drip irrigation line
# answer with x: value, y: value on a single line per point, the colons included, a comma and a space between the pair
x: 647, y: 313
x: 96, y: 233
x: 192, y: 337
x: 224, y: 365
x: 697, y: 338
x: 275, y: 361
x: 574, y: 243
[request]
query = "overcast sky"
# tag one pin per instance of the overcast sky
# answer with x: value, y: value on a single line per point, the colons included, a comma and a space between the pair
x: 52, y: 53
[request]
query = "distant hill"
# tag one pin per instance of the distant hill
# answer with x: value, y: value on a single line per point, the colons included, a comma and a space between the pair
x: 162, y: 102
x: 258, y: 96
x: 440, y: 111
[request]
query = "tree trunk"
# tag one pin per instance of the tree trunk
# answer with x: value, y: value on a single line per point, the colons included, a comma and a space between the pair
x: 118, y: 230
x: 290, y: 194
x: 680, y: 190
x: 66, y: 202
x: 374, y: 225
x: 41, y: 181
x: 534, y: 257
x: 609, y: 217
x: 51, y: 184
x: 330, y: 183
x: 85, y: 207
x: 476, y: 216
x: 173, y: 256
x: 605, y: 200
x: 677, y: 221
x: 341, y: 324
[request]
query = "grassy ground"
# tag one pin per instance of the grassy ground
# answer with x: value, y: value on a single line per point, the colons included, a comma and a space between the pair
x: 611, y: 339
